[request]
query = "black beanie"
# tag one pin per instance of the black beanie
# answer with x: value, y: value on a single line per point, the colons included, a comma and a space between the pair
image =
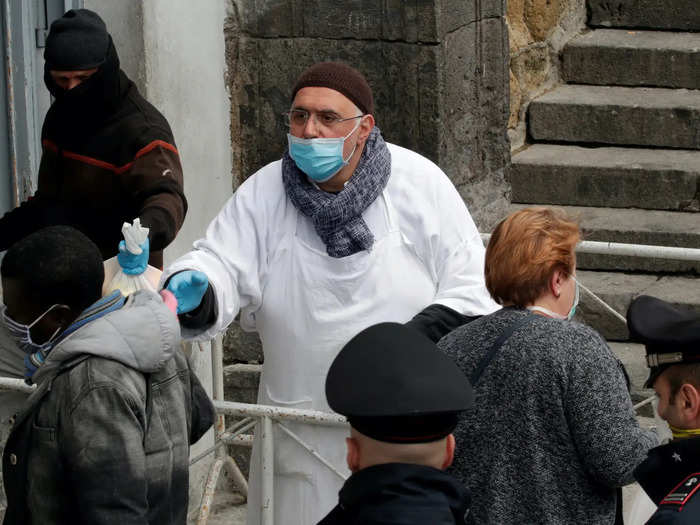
x: 339, y: 77
x: 77, y: 41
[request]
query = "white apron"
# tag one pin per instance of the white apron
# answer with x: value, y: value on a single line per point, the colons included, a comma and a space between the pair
x: 312, y: 305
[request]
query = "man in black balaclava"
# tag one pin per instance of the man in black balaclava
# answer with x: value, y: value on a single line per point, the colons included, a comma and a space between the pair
x: 108, y: 155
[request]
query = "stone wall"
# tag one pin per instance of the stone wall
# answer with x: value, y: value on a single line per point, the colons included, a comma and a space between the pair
x: 538, y: 30
x: 436, y: 68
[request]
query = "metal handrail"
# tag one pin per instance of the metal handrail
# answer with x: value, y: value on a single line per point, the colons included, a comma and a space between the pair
x: 16, y: 385
x: 310, y: 417
x: 631, y: 250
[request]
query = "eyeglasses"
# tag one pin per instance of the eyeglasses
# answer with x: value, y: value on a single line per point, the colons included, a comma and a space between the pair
x: 297, y: 118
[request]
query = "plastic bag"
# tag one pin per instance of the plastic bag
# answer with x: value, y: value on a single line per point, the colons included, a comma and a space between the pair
x: 641, y: 507
x: 115, y: 279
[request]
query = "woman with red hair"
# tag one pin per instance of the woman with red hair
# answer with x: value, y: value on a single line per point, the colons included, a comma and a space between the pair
x: 553, y: 432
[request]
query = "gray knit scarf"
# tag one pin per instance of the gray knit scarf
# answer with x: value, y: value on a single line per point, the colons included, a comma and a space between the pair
x: 337, y: 217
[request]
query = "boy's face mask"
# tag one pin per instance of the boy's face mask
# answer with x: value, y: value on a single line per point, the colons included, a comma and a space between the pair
x: 22, y: 334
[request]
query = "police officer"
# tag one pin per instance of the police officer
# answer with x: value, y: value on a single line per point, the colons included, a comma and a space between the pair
x: 671, y: 473
x: 401, y: 396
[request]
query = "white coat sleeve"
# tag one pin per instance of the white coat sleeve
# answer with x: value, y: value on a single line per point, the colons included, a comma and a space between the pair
x: 458, y: 255
x: 231, y: 256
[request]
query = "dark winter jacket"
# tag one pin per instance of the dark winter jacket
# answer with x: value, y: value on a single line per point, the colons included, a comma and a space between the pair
x: 108, y: 156
x: 671, y: 477
x: 105, y: 437
x: 400, y: 494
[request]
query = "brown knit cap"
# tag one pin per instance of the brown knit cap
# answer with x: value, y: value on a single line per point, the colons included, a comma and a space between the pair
x: 342, y: 78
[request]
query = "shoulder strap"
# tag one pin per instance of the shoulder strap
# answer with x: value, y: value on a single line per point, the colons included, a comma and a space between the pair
x: 497, y: 346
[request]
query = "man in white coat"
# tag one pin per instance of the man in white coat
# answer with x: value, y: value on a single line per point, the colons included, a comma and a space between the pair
x: 343, y: 232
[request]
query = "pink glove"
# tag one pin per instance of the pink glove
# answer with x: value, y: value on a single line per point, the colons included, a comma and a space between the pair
x: 169, y: 300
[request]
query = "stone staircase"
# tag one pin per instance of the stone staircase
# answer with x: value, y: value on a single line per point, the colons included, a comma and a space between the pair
x: 618, y: 146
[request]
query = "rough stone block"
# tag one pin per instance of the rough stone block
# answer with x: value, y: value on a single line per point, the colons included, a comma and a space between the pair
x: 518, y: 33
x: 650, y: 58
x: 425, y: 21
x: 472, y: 114
x: 532, y: 67
x: 541, y: 16
x: 241, y: 383
x: 241, y: 346
x: 618, y: 115
x: 683, y: 15
x: 516, y: 97
x: 607, y: 177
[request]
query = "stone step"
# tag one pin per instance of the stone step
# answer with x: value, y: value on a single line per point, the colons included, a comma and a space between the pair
x: 682, y: 15
x: 655, y: 117
x: 618, y: 289
x: 620, y: 57
x: 241, y: 382
x: 608, y: 177
x: 633, y: 357
x: 632, y: 226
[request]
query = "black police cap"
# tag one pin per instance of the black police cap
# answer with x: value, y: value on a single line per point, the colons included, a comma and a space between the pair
x: 670, y: 334
x: 394, y: 385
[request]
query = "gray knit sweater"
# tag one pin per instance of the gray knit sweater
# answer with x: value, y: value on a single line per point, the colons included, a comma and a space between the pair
x: 553, y: 430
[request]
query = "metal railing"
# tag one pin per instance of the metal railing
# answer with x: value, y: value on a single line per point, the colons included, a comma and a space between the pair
x: 631, y: 250
x: 265, y: 417
x: 16, y: 385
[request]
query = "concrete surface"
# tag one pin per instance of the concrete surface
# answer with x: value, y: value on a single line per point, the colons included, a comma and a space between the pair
x: 633, y: 58
x: 618, y: 115
x: 608, y: 177
x: 185, y: 71
x: 437, y: 70
x: 618, y: 289
x: 655, y: 14
x: 124, y: 20
x: 633, y: 226
x: 227, y: 509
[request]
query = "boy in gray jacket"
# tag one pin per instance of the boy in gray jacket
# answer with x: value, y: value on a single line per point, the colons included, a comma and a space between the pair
x: 105, y: 437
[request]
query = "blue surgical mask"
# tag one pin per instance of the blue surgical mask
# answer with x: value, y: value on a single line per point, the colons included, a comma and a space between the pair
x: 22, y: 335
x: 320, y: 159
x: 572, y: 311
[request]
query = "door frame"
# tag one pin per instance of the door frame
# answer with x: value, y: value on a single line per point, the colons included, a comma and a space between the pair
x: 23, y: 34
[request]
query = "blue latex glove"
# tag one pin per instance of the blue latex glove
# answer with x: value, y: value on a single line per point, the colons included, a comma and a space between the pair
x: 188, y: 287
x: 133, y: 264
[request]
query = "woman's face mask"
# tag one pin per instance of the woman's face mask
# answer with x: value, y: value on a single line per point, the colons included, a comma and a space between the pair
x: 572, y: 310
x: 22, y: 335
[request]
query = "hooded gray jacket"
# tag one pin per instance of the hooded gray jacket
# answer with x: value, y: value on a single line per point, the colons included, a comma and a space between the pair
x: 105, y: 437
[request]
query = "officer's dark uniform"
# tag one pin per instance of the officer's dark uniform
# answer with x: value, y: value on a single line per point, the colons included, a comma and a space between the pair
x: 393, y: 385
x: 671, y: 473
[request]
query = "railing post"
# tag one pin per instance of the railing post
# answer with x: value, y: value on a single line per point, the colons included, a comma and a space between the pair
x: 268, y: 473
